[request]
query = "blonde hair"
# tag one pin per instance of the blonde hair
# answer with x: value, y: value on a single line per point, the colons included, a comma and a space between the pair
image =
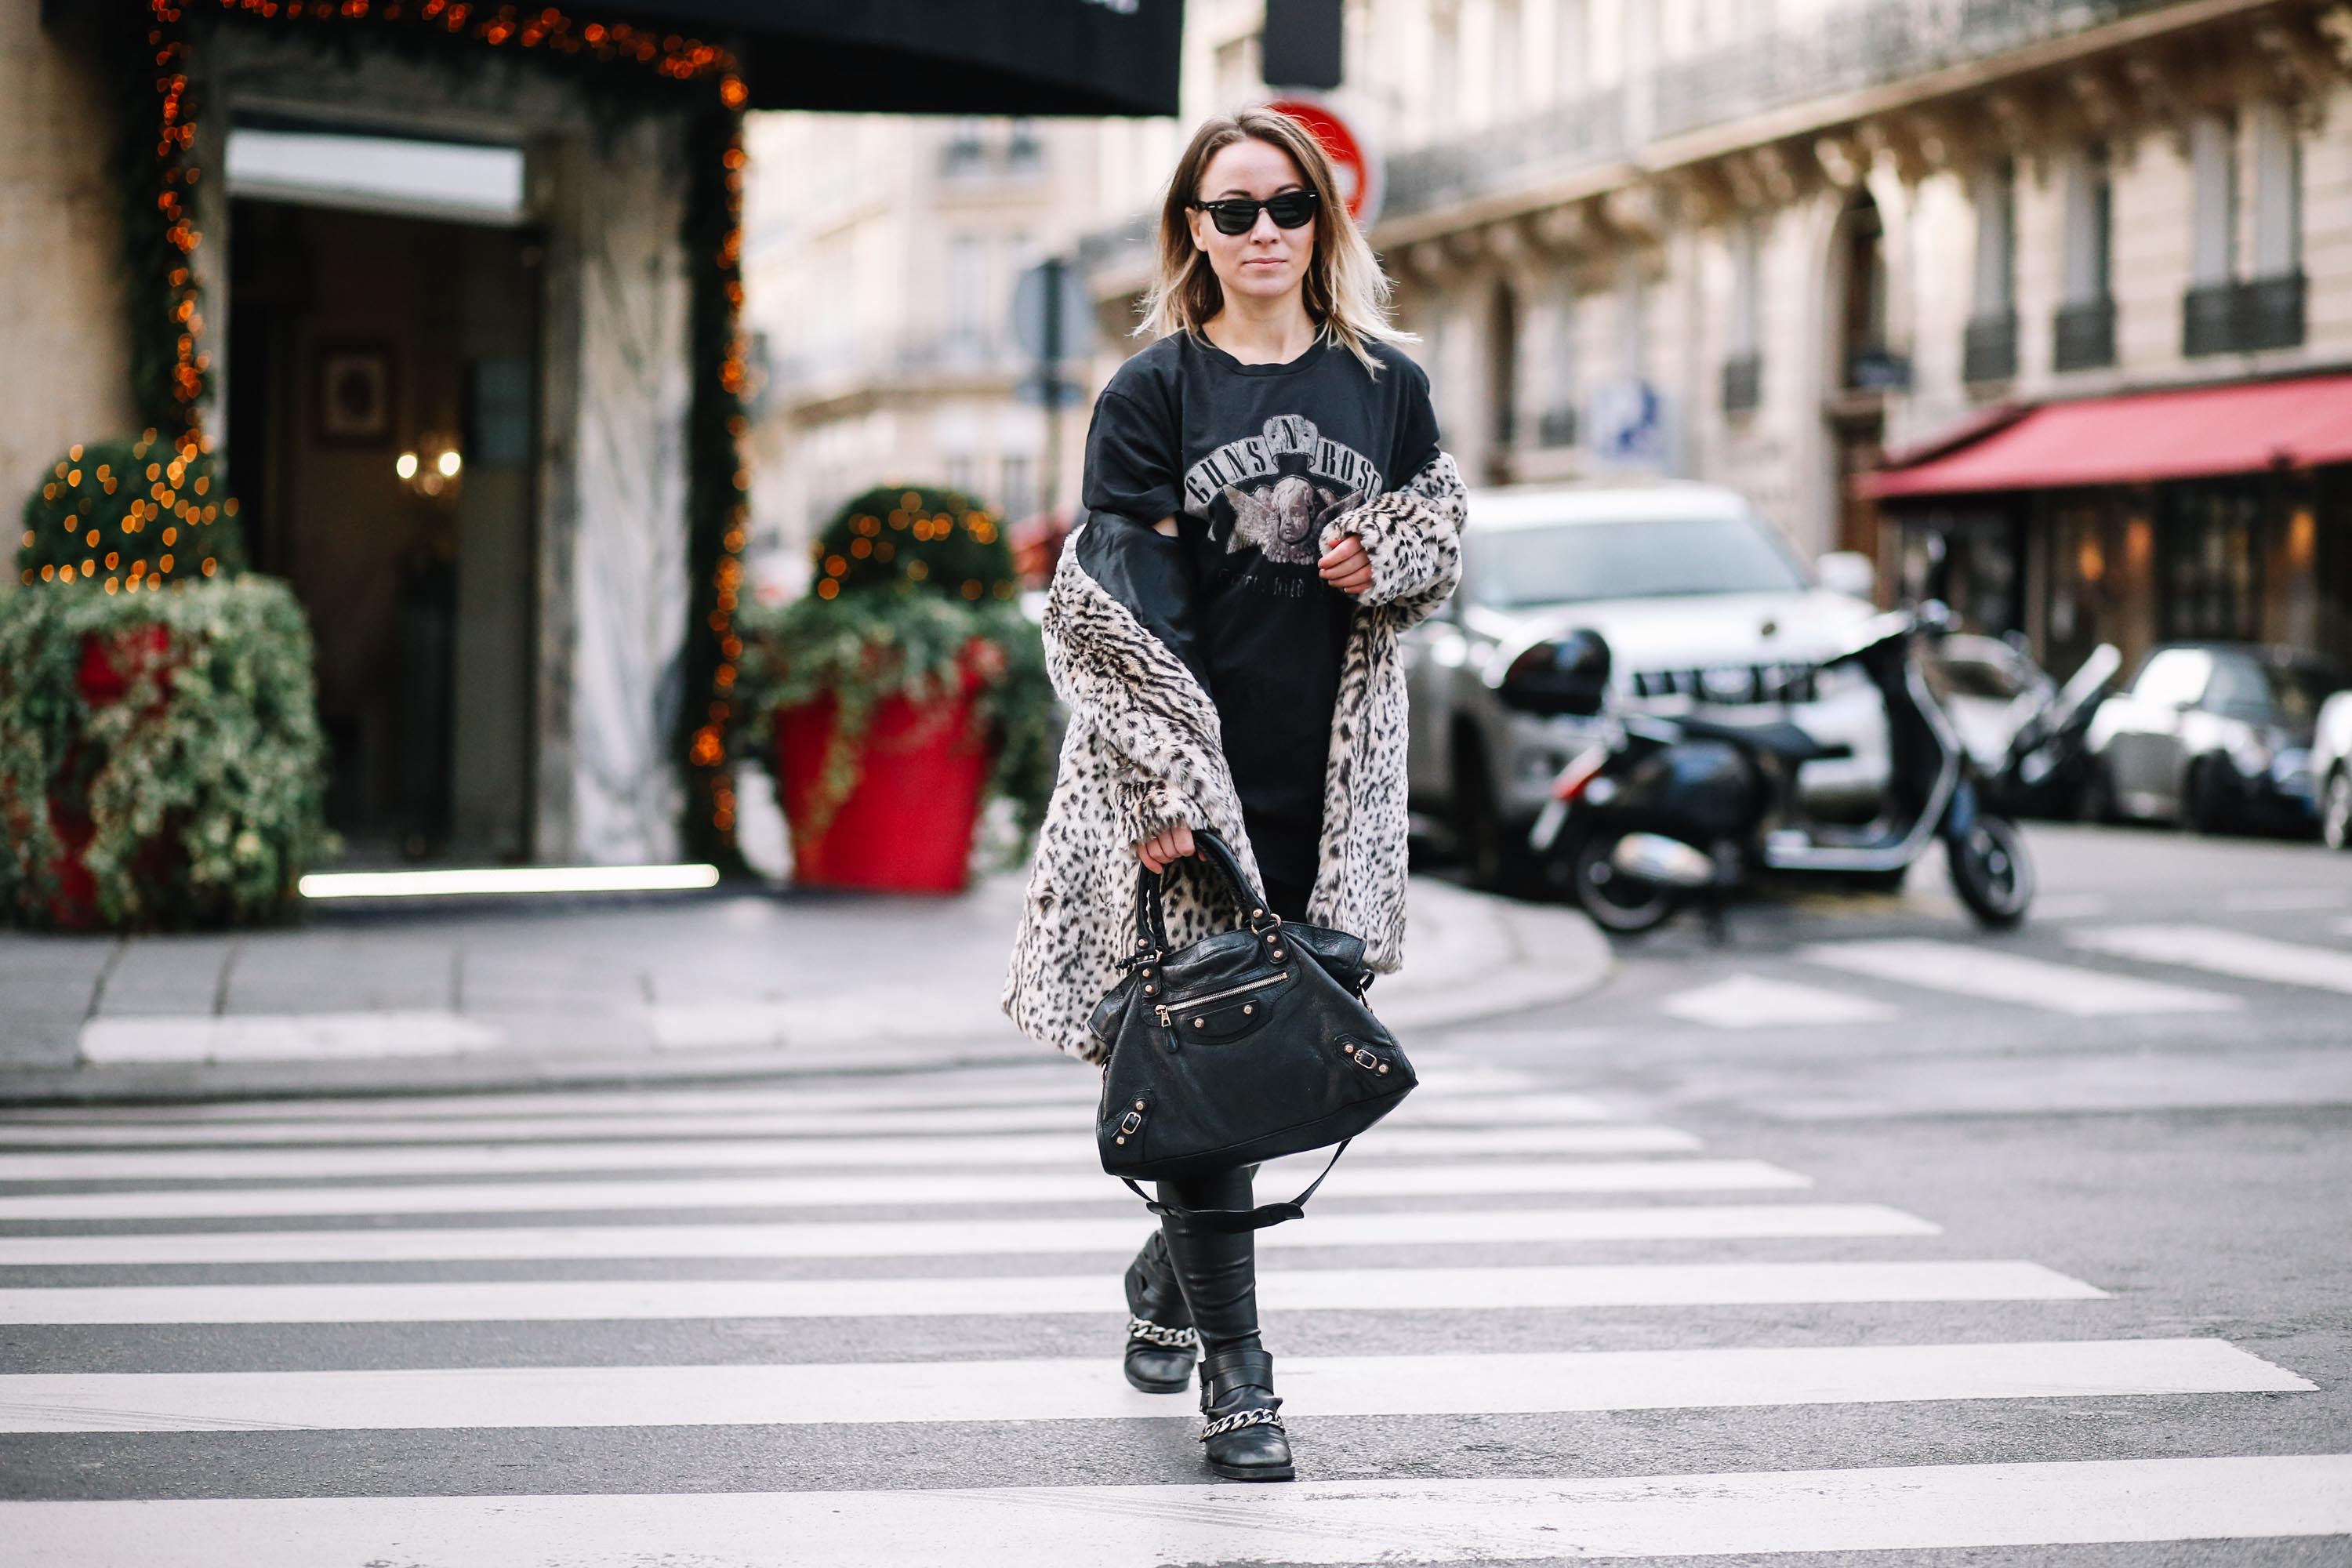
x: 1346, y: 293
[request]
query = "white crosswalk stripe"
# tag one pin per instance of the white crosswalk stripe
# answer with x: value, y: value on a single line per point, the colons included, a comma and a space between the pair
x: 2222, y: 951
x: 1967, y: 970
x: 1878, y: 1509
x: 544, y: 1203
x: 1011, y: 1390
x: 968, y: 1152
x: 947, y: 1238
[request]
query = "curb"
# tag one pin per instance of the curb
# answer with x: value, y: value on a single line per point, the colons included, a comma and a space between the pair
x: 1479, y: 957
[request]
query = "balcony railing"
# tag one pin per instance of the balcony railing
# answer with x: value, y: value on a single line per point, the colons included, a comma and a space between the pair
x: 2238, y: 317
x: 1988, y: 352
x: 1862, y: 44
x: 2083, y: 335
x: 828, y: 368
x: 1743, y: 382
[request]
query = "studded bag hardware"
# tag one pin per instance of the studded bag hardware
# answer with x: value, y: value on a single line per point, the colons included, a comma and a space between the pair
x: 1247, y: 1045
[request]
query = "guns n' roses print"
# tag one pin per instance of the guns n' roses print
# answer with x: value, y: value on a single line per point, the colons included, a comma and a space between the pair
x: 1252, y: 460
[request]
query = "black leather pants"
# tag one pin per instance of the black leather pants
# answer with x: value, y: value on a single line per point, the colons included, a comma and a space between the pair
x: 1216, y: 1269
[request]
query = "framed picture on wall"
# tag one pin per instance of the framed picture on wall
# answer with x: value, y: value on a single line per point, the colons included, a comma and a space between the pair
x: 354, y: 393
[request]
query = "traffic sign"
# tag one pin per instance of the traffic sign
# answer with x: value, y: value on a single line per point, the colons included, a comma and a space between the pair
x: 1361, y: 170
x: 1067, y: 331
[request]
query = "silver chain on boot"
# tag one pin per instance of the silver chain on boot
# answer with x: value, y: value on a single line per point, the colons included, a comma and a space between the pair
x: 1153, y: 1334
x: 1241, y: 1418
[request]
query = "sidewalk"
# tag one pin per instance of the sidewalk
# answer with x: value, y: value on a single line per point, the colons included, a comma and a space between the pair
x: 733, y: 984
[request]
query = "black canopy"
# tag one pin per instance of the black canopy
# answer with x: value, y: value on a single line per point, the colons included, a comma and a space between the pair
x: 943, y: 57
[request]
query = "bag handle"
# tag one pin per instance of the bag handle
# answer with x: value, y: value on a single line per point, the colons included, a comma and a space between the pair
x: 1258, y: 1218
x: 1151, y: 888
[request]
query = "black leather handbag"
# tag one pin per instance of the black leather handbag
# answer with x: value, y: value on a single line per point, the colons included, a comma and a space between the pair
x: 1246, y: 1046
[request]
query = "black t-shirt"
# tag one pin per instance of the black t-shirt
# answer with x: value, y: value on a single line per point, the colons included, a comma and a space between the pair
x: 1251, y: 460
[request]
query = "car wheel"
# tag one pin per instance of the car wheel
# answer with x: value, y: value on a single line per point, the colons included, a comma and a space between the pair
x: 1991, y: 871
x: 1497, y: 860
x: 2335, y: 810
x: 1626, y: 905
x: 2203, y: 805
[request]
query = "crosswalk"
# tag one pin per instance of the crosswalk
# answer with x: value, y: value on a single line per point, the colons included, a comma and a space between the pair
x: 493, y: 1328
x: 2101, y: 973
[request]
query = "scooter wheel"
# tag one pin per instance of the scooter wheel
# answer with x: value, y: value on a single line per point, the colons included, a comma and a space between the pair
x: 1991, y: 871
x: 1626, y: 905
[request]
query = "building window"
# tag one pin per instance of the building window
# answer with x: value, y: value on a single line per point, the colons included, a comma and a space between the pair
x: 2084, y: 333
x: 1572, y: 50
x: 1869, y: 365
x: 967, y: 286
x: 1023, y: 149
x: 1990, y: 352
x: 1017, y: 495
x: 1505, y: 49
x: 1445, y: 75
x: 963, y: 472
x: 1743, y: 363
x: 2228, y: 310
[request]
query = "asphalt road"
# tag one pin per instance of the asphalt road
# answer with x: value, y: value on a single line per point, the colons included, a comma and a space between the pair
x: 1862, y: 1232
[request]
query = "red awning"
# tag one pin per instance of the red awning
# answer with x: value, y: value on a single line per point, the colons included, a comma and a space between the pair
x: 2145, y: 436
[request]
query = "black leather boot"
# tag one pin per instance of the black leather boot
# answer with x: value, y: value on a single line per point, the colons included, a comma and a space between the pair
x: 1241, y: 1435
x: 1241, y: 1427
x: 1161, y: 1339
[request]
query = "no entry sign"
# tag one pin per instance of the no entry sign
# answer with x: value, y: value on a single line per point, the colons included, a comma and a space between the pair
x: 1352, y: 156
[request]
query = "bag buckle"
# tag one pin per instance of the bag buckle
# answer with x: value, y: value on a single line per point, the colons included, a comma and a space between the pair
x: 1131, y: 1121
x: 1263, y: 920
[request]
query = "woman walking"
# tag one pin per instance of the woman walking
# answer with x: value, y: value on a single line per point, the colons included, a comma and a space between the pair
x: 1267, y: 508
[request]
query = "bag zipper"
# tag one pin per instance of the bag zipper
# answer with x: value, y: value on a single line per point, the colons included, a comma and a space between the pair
x: 1163, y: 1008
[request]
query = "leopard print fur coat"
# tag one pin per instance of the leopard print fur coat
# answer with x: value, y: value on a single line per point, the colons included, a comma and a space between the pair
x: 1143, y: 751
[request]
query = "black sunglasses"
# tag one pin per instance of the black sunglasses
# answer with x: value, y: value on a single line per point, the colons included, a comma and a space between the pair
x: 1237, y: 215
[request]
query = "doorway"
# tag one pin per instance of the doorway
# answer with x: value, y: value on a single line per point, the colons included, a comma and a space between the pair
x: 383, y: 436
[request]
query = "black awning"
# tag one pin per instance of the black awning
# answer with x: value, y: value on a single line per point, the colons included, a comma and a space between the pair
x: 944, y: 57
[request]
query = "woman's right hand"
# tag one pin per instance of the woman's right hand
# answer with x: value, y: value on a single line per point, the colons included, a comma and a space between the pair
x: 1163, y: 850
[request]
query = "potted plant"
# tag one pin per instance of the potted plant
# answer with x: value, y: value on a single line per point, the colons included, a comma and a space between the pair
x: 900, y: 693
x: 160, y: 757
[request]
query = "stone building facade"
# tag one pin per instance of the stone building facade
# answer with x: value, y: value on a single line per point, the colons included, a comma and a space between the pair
x: 1772, y: 242
x: 880, y: 258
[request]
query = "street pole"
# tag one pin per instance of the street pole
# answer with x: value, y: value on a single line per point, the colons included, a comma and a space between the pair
x: 1049, y: 378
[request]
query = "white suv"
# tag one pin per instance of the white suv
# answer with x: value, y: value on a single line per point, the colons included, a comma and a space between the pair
x: 1707, y: 609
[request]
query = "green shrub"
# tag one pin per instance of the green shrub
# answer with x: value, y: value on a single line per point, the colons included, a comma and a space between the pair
x: 203, y: 780
x: 129, y: 514
x: 911, y: 537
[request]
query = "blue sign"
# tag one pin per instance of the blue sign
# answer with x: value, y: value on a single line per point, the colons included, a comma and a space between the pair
x: 1624, y: 422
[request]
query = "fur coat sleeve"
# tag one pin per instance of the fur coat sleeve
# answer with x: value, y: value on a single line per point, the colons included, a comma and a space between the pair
x: 1143, y: 749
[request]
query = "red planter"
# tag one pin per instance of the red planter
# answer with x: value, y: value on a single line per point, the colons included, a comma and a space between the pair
x: 107, y: 668
x: 907, y: 825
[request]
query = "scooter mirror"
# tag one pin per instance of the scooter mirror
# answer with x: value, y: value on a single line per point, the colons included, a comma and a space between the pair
x: 1568, y: 673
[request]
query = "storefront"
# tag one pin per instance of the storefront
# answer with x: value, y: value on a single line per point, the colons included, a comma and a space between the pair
x: 2217, y: 512
x: 455, y: 291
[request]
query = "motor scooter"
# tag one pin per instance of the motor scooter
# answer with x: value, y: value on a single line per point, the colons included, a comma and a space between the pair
x: 1659, y: 811
x: 2048, y: 763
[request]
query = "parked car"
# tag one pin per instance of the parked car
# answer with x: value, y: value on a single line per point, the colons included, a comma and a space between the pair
x: 1709, y: 610
x: 2213, y: 734
x: 2331, y: 770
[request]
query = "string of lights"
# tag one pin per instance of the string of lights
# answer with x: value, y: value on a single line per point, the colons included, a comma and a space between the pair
x: 719, y: 484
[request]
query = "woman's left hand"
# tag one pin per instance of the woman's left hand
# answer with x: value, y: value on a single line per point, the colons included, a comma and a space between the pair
x: 1347, y: 567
